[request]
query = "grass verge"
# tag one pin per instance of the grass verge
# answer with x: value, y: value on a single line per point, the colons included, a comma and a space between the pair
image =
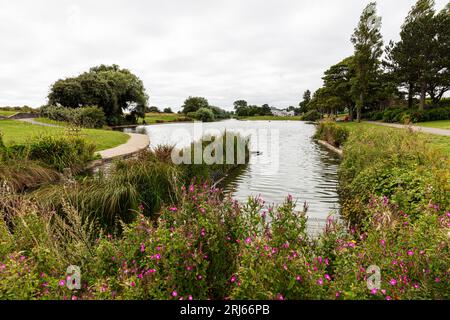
x: 16, y: 132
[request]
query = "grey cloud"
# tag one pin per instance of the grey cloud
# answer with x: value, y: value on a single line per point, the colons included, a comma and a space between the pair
x: 263, y: 51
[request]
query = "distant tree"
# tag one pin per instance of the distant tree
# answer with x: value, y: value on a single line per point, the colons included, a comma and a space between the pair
x: 192, y: 104
x: 219, y: 113
x: 265, y: 110
x: 153, y: 109
x: 338, y: 81
x: 240, y: 103
x: 368, y: 43
x: 204, y: 114
x: 304, y: 103
x: 167, y: 110
x: 111, y: 88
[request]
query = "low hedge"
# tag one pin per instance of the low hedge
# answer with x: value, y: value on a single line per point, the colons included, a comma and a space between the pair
x: 404, y: 115
x: 87, y: 117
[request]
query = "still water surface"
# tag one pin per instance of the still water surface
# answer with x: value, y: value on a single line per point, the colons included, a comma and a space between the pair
x: 289, y: 162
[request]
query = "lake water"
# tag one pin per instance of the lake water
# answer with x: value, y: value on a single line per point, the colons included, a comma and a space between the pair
x: 289, y: 162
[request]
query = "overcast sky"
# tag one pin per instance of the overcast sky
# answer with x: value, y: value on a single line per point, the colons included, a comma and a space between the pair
x: 260, y: 51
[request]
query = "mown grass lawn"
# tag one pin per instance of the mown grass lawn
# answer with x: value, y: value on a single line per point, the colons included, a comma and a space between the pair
x: 440, y: 142
x: 7, y: 113
x: 20, y: 132
x: 271, y: 118
x: 154, y: 117
x: 441, y: 124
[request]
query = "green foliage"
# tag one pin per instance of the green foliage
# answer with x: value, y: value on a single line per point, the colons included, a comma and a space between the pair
x: 141, y: 183
x: 202, y: 114
x: 368, y: 43
x: 244, y: 110
x: 208, y: 246
x: 108, y: 87
x: 61, y: 152
x: 404, y: 115
x: 214, y: 171
x: 87, y: 117
x: 332, y: 133
x: 312, y: 115
x: 398, y: 165
x: 192, y: 104
x: 53, y: 152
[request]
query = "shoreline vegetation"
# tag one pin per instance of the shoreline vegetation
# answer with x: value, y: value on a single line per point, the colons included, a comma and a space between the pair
x: 147, y: 228
x: 153, y: 230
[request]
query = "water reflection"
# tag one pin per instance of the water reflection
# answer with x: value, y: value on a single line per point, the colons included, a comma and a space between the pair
x: 305, y: 169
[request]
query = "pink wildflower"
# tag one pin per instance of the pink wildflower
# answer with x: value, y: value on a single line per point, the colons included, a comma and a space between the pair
x: 174, y: 293
x: 393, y: 282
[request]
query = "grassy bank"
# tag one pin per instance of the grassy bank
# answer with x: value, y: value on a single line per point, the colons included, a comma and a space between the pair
x: 145, y: 231
x: 154, y: 117
x: 411, y: 169
x: 16, y: 132
x: 7, y: 113
x: 441, y: 124
x: 439, y: 142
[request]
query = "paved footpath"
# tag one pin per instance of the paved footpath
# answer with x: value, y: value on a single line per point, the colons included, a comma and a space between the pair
x: 441, y: 132
x: 32, y: 121
x: 136, y: 143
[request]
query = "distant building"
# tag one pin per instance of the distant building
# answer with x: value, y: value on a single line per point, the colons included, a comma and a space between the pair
x: 282, y: 113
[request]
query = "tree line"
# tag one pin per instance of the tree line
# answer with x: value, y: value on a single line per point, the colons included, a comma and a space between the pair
x: 409, y: 72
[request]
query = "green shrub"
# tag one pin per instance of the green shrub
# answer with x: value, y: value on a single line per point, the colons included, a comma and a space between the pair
x: 203, y: 114
x: 208, y: 246
x: 332, y: 133
x: 395, y: 164
x: 61, y: 152
x: 312, y: 115
x: 88, y: 117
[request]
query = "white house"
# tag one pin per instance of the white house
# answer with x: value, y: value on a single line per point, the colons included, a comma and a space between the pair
x: 282, y: 113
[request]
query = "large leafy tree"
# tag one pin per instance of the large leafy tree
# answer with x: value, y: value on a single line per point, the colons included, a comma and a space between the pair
x: 338, y: 81
x: 193, y: 104
x: 111, y: 88
x: 368, y: 43
x: 420, y: 60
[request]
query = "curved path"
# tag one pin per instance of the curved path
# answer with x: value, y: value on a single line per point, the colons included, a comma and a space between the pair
x: 136, y: 143
x: 441, y: 132
x: 32, y: 121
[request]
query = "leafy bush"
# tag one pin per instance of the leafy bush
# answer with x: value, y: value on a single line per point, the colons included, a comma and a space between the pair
x: 203, y: 114
x: 61, y: 152
x: 332, y: 133
x: 88, y: 117
x: 312, y: 115
x: 396, y: 164
x: 403, y: 115
x: 210, y: 247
